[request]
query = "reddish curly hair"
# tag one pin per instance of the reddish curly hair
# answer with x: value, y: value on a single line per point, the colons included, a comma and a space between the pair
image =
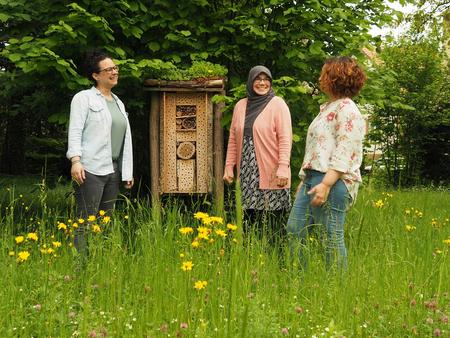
x: 341, y: 77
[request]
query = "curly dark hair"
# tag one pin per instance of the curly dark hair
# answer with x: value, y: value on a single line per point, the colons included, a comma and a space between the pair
x: 91, y: 60
x: 342, y: 77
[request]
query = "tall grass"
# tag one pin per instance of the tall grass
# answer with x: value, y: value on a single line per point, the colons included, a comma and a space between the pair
x: 132, y: 283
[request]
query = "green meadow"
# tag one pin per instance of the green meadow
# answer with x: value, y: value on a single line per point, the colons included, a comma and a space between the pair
x: 181, y: 270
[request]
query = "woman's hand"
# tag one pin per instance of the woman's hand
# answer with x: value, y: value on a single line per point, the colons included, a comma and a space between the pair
x: 129, y: 184
x: 281, y: 181
x: 228, y: 179
x: 77, y: 172
x: 320, y: 192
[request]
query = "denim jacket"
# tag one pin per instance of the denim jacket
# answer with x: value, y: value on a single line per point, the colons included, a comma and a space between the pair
x: 90, y: 134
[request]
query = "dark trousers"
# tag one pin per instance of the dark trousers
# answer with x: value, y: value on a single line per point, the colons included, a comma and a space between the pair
x: 95, y: 194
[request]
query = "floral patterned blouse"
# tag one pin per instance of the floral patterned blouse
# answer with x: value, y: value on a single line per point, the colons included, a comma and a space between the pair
x: 335, y: 141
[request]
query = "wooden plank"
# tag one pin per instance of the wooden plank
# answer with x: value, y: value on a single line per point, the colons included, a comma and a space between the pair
x: 154, y: 145
x: 170, y: 143
x: 203, y: 176
x: 176, y: 90
x: 218, y: 156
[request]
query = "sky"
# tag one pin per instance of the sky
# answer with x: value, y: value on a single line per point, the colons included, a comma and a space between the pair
x: 393, y: 31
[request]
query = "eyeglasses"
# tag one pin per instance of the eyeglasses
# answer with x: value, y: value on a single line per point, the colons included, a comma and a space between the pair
x: 109, y: 69
x: 263, y: 79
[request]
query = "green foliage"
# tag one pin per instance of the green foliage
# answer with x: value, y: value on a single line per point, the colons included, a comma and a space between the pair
x: 198, y: 70
x: 42, y: 43
x: 411, y: 122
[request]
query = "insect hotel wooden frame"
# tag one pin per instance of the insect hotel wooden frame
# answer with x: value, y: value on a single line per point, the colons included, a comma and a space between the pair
x: 186, y: 138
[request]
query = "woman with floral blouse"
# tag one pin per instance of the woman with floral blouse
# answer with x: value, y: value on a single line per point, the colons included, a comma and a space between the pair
x: 330, y: 173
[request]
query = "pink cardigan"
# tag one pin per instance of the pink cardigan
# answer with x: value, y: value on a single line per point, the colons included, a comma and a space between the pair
x: 272, y: 137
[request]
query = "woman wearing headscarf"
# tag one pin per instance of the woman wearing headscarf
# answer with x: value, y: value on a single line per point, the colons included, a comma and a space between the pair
x: 259, y: 147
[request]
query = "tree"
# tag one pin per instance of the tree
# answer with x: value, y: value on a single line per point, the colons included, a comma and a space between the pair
x: 42, y: 43
x: 413, y: 123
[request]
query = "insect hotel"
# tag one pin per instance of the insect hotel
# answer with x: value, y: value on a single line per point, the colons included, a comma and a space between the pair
x: 186, y: 138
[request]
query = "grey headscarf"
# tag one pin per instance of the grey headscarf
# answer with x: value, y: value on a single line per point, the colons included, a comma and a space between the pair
x: 256, y: 103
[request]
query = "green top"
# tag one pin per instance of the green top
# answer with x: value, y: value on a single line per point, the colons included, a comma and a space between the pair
x: 118, y: 128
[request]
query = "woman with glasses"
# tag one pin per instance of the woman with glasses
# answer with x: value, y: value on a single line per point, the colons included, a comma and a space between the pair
x: 330, y: 171
x: 259, y: 147
x: 99, y: 147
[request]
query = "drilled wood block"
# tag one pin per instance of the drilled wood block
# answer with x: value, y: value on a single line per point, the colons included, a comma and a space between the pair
x: 186, y: 175
x: 170, y: 143
x: 187, y: 136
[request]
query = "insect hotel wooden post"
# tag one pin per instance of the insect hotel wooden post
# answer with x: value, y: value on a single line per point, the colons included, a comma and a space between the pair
x: 186, y: 138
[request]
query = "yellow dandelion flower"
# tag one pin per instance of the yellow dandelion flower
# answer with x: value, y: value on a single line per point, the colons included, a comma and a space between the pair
x: 91, y: 218
x: 80, y: 220
x: 216, y: 220
x: 232, y: 227
x: 437, y: 252
x: 420, y: 214
x: 206, y: 220
x: 407, y: 212
x: 19, y: 239
x: 379, y: 204
x: 447, y: 241
x: 11, y: 253
x: 187, y: 266
x: 186, y: 230
x: 106, y: 219
x: 126, y: 217
x: 50, y: 251
x: 23, y: 256
x: 62, y: 226
x: 102, y: 212
x: 221, y: 233
x: 200, y: 284
x: 33, y: 236
x: 181, y: 255
x: 74, y: 225
x: 410, y: 228
x: 195, y: 244
x: 203, y: 230
x: 56, y: 244
x: 235, y: 240
x: 200, y: 215
x: 203, y: 235
x: 96, y: 229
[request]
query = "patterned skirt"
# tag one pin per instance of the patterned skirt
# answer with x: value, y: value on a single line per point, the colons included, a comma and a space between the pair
x: 252, y: 196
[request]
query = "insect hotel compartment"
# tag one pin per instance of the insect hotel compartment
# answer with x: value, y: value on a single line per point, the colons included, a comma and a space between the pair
x: 186, y: 137
x: 186, y: 140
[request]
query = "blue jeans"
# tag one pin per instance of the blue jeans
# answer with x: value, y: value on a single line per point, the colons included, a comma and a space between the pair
x: 331, y: 215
